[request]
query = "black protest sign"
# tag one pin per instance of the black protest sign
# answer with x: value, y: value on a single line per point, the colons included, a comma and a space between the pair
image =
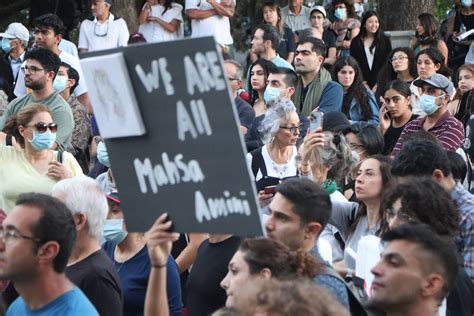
x: 190, y: 162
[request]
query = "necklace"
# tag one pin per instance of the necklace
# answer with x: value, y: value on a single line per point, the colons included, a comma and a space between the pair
x: 280, y: 169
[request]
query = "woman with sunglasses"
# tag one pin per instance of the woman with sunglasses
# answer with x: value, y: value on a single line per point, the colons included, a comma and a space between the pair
x: 276, y: 160
x: 34, y: 167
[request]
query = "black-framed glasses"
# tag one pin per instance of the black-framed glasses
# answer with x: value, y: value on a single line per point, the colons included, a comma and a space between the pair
x: 293, y: 129
x: 42, y: 127
x: 398, y: 58
x: 10, y: 235
x: 98, y: 25
x: 31, y: 69
x: 391, y: 214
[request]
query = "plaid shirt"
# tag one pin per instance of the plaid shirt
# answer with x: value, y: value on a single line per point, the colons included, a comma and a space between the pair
x: 465, y: 238
x: 448, y: 130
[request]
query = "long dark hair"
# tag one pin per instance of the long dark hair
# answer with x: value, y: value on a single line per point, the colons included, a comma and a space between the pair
x: 379, y: 37
x: 167, y: 5
x: 275, y: 6
x: 357, y: 90
x: 267, y: 67
x: 401, y: 87
x: 430, y: 25
x: 388, y: 181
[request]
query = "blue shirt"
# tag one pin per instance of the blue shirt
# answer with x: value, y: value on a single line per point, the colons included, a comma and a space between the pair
x: 134, y: 274
x: 280, y: 62
x: 331, y: 98
x: 71, y: 303
x: 355, y: 112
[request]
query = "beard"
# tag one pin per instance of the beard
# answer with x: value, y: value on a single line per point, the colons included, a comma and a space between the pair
x: 36, y: 85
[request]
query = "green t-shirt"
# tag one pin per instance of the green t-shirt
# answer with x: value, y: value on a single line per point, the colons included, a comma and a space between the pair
x: 62, y: 115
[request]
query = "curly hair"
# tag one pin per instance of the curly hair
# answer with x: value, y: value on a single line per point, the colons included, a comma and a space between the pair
x: 336, y: 154
x: 260, y: 253
x: 426, y: 201
x: 278, y: 114
x: 357, y: 90
x: 289, y: 297
x: 349, y: 6
x: 437, y: 58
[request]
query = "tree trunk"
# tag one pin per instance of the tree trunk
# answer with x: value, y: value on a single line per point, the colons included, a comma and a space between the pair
x: 397, y: 15
x: 127, y: 10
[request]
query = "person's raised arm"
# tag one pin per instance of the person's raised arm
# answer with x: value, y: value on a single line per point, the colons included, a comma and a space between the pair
x: 159, y: 240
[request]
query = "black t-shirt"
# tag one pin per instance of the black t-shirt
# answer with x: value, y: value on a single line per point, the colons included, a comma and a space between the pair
x: 203, y: 291
x: 329, y: 38
x: 460, y: 299
x: 98, y: 279
x: 392, y: 134
x: 287, y: 43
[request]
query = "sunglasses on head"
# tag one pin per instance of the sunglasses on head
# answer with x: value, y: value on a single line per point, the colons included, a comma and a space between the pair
x: 42, y: 127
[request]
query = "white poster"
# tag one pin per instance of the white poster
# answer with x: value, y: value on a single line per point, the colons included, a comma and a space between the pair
x: 112, y: 97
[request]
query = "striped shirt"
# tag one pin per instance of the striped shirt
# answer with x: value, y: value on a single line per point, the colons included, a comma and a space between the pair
x: 448, y: 130
x: 465, y: 237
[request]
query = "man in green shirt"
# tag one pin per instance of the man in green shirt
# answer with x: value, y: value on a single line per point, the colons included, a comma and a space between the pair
x: 40, y: 69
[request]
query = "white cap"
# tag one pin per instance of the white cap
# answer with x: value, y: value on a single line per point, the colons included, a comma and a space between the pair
x: 320, y: 9
x: 16, y: 30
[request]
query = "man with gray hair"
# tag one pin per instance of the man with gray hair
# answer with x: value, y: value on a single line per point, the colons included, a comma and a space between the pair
x: 234, y: 72
x: 14, y: 42
x: 89, y: 267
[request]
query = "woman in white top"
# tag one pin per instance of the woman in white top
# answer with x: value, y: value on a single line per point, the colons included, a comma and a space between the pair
x: 161, y: 21
x: 276, y: 160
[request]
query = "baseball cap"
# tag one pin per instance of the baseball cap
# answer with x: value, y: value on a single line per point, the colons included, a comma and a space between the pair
x: 16, y: 30
x: 320, y: 9
x: 438, y: 81
x: 113, y: 195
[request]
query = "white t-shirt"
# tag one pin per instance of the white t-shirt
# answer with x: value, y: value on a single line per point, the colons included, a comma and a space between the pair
x: 216, y: 25
x: 154, y: 32
x: 98, y: 36
x: 20, y: 88
x: 68, y: 47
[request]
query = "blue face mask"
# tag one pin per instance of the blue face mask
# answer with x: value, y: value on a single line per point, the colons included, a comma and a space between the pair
x: 428, y: 103
x: 6, y: 45
x: 466, y: 3
x: 42, y: 141
x: 60, y: 83
x: 270, y: 94
x: 103, y: 155
x: 340, y: 13
x: 113, y: 231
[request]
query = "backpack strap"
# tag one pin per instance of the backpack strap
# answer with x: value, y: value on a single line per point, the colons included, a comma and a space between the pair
x: 258, y: 162
x: 9, y: 140
x: 355, y: 305
x: 59, y: 156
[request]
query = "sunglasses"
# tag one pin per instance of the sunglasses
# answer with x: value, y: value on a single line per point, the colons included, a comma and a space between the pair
x: 42, y: 127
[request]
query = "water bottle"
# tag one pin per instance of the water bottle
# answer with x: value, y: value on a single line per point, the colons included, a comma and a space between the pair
x: 462, y: 28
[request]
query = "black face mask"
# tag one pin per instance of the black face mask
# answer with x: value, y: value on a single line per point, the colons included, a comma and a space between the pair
x: 425, y: 40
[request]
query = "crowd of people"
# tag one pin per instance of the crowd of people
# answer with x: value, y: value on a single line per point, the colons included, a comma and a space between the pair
x: 361, y: 155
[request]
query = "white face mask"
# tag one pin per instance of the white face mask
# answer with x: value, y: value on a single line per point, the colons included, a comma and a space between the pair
x: 466, y: 3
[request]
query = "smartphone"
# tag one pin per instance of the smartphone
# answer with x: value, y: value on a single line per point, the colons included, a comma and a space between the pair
x: 270, y: 189
x: 315, y: 120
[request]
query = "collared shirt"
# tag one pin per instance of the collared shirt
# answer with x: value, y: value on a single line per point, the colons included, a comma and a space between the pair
x: 280, y: 62
x: 465, y: 238
x: 297, y: 22
x: 98, y: 36
x: 448, y: 130
x: 16, y: 64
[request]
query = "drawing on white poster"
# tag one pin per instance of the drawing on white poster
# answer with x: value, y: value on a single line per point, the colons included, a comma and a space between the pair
x: 112, y: 96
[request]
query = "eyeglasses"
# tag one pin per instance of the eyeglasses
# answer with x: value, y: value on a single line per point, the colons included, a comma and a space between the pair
x: 293, y: 129
x: 391, y: 214
x: 42, y: 127
x: 399, y: 58
x: 8, y: 236
x: 31, y: 69
x: 231, y: 79
x: 106, y: 30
